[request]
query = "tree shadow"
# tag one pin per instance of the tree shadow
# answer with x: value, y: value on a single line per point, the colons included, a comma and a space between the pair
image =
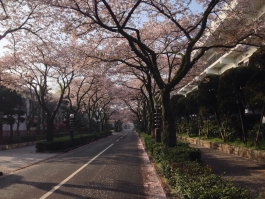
x: 94, y: 189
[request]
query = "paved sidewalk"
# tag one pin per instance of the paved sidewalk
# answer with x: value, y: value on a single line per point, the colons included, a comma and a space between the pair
x: 15, y: 159
x: 243, y: 172
x: 152, y: 183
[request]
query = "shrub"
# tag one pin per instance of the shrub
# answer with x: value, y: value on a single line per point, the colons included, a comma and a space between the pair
x: 22, y: 138
x: 207, y: 186
x: 212, y: 129
x: 181, y: 167
x: 65, y: 143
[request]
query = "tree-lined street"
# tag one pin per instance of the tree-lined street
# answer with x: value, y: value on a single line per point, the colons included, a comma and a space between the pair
x: 81, y: 69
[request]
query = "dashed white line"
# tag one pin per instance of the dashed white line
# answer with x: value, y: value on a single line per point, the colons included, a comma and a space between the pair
x: 72, y: 175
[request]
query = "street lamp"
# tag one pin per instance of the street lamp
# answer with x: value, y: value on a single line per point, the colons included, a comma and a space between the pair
x: 71, y: 125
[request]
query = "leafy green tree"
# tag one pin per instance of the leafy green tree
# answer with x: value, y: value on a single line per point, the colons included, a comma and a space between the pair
x: 191, y: 103
x: 255, y: 95
x: 174, y: 105
x: 11, y: 102
x: 208, y: 99
x: 192, y: 111
x: 231, y: 93
x: 181, y: 108
x: 19, y: 113
x: 178, y: 107
x: 254, y: 91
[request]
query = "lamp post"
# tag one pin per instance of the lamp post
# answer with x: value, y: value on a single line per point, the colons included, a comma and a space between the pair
x: 71, y: 125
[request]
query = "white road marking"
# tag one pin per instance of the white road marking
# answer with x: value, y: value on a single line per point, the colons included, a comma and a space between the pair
x: 72, y: 175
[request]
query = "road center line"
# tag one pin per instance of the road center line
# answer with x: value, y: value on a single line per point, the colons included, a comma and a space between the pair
x: 72, y: 175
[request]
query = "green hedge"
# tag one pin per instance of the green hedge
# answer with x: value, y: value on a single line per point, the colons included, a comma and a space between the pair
x: 21, y: 139
x: 185, y: 174
x: 64, y: 143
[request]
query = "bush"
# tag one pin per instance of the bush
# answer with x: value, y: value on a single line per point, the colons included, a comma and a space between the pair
x: 184, y: 173
x: 65, y: 143
x: 22, y: 138
x: 212, y: 129
x: 207, y: 186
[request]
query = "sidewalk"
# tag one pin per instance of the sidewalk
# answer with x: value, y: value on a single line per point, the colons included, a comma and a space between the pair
x: 16, y: 159
x: 243, y: 172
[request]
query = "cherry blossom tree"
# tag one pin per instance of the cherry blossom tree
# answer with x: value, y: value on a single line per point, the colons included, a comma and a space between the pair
x: 41, y: 67
x: 172, y: 41
x: 19, y: 16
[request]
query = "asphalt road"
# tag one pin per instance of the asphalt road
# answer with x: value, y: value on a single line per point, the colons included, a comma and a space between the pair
x: 108, y: 168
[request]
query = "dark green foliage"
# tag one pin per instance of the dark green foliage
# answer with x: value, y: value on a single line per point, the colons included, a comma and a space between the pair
x: 212, y: 129
x: 192, y: 129
x: 10, y: 108
x: 181, y: 107
x: 21, y: 139
x: 206, y: 186
x: 231, y: 87
x: 65, y: 143
x: 191, y: 103
x: 174, y: 105
x: 255, y: 89
x: 231, y: 93
x: 181, y: 167
x: 208, y: 93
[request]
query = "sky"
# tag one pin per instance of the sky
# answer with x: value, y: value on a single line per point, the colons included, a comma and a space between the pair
x: 3, y: 42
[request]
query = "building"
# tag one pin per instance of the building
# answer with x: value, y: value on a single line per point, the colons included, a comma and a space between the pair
x: 217, y: 63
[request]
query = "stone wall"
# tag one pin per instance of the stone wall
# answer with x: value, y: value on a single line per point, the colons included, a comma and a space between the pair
x: 14, y: 146
x: 226, y: 148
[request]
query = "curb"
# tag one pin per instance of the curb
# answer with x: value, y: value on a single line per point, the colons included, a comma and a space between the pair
x: 153, y: 185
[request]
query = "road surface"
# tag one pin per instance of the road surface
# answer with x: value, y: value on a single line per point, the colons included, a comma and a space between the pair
x: 107, y: 168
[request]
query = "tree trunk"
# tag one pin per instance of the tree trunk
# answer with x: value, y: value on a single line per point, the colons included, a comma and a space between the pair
x: 49, y: 129
x: 150, y: 125
x: 11, y: 130
x: 18, y: 124
x: 200, y: 125
x: 1, y: 129
x: 217, y: 116
x: 207, y: 125
x: 260, y: 124
x: 168, y: 132
x: 242, y: 120
x: 151, y: 107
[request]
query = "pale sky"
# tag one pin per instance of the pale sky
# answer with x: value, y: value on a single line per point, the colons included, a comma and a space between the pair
x: 3, y: 42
